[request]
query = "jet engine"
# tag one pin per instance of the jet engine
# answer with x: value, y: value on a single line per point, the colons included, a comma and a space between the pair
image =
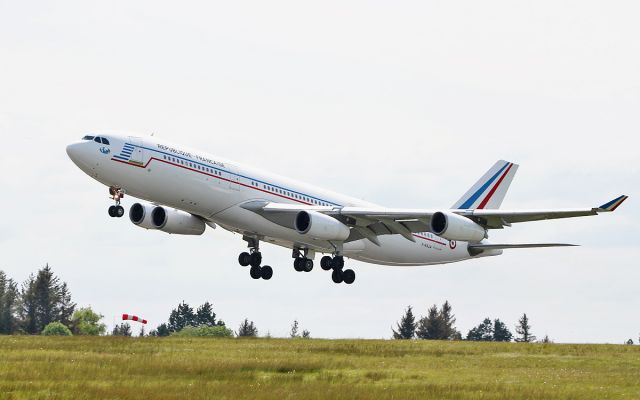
x: 175, y: 221
x: 320, y: 226
x: 140, y: 214
x: 456, y: 227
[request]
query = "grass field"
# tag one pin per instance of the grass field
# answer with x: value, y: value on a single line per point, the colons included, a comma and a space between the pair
x: 167, y: 368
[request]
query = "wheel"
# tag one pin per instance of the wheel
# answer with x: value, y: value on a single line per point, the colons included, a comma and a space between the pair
x: 336, y: 276
x: 255, y: 259
x: 338, y: 262
x: 307, y: 265
x: 112, y: 211
x: 119, y: 211
x: 326, y: 263
x: 266, y: 272
x: 348, y: 276
x: 244, y: 259
x: 297, y: 264
x: 255, y: 272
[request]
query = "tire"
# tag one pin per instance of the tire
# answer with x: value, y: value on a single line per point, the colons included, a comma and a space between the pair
x: 112, y: 211
x: 255, y: 272
x: 326, y: 263
x: 119, y: 211
x: 348, y: 276
x: 266, y: 272
x: 307, y: 265
x: 338, y: 262
x: 336, y: 276
x: 255, y: 259
x: 297, y: 264
x: 244, y: 259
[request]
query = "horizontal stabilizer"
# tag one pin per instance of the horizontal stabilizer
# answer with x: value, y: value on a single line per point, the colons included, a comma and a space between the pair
x: 492, y: 246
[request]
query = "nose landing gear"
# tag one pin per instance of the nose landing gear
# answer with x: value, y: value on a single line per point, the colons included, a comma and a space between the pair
x: 116, y: 211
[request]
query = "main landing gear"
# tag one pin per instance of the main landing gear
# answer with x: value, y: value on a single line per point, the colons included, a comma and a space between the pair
x: 302, y: 263
x: 116, y: 211
x: 337, y: 264
x: 254, y: 258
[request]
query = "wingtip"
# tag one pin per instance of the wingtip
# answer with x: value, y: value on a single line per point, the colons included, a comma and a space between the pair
x: 613, y: 204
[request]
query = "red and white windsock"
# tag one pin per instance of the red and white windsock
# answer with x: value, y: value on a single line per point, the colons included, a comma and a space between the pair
x: 129, y: 317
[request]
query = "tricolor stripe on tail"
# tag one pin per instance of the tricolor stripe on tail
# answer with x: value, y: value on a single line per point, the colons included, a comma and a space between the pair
x: 489, y: 191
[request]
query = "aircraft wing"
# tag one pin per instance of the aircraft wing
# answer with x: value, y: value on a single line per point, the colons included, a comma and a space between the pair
x: 370, y: 222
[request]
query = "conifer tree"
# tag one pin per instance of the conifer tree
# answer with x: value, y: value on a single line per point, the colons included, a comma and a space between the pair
x: 482, y: 332
x: 523, y: 329
x: 205, y: 315
x: 247, y: 329
x: 294, y: 329
x: 182, y: 316
x: 430, y: 326
x: 406, y: 327
x: 9, y: 298
x: 500, y: 332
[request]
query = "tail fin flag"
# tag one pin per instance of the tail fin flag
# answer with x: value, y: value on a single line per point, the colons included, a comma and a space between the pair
x: 613, y: 204
x: 489, y: 191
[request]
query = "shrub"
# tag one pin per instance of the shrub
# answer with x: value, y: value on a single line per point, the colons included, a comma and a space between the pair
x: 202, y: 330
x: 56, y: 329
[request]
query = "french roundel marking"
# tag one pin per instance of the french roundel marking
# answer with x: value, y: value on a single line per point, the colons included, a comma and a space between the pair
x: 452, y: 244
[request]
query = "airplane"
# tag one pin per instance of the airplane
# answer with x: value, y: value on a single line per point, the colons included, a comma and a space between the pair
x: 186, y: 190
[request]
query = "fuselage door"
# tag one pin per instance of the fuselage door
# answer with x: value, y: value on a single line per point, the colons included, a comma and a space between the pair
x: 137, y: 153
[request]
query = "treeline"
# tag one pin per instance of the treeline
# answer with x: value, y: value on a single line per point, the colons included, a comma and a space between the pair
x: 438, y: 324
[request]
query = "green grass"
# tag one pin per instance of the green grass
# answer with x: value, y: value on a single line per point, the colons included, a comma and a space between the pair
x: 202, y: 368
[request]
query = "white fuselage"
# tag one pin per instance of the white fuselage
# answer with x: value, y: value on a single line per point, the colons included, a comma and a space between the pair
x: 215, y: 189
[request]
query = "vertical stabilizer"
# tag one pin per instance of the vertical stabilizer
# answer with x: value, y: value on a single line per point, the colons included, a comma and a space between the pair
x: 490, y: 190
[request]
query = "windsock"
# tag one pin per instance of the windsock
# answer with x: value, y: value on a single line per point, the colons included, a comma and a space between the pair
x: 129, y: 317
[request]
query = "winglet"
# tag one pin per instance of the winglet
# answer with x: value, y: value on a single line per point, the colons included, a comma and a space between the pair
x: 613, y: 204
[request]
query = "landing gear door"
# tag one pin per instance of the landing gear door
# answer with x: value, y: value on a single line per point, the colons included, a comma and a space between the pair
x: 137, y: 154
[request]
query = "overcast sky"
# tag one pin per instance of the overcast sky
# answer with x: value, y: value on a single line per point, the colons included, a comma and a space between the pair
x: 404, y: 104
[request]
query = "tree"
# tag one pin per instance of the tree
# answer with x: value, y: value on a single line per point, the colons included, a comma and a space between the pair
x: 85, y: 321
x: 306, y: 334
x: 482, y: 332
x: 44, y: 299
x: 181, y: 317
x: 205, y: 316
x: 546, y: 339
x: 524, y: 330
x: 630, y: 341
x: 247, y: 329
x: 142, y: 332
x: 9, y: 297
x: 500, y: 332
x: 124, y: 329
x: 430, y: 327
x: 56, y: 329
x: 160, y: 331
x: 406, y: 327
x: 294, y: 330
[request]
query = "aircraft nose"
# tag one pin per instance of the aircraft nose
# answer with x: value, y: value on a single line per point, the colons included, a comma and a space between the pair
x: 73, y: 151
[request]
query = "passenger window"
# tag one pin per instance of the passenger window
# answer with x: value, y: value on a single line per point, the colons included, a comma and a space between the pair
x: 105, y: 141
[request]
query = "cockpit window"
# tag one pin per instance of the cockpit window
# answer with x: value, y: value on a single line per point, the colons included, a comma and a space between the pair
x: 104, y: 141
x: 88, y: 137
x: 96, y: 139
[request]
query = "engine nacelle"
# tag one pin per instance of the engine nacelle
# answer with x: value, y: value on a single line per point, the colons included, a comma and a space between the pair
x: 140, y: 215
x: 320, y: 226
x: 456, y: 227
x: 175, y: 221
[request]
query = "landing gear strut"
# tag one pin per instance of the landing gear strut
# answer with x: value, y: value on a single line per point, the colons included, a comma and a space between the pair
x: 254, y: 258
x: 116, y: 211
